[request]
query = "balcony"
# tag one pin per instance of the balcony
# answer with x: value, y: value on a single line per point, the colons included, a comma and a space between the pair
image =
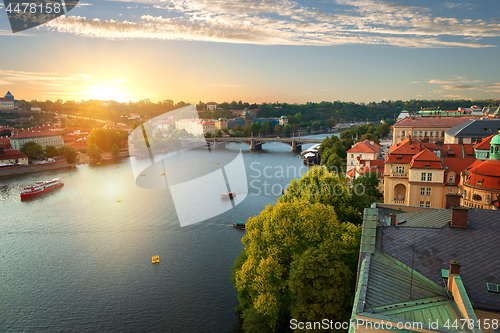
x: 400, y: 174
x: 399, y: 201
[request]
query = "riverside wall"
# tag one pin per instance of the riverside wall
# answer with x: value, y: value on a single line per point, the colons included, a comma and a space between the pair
x: 21, y: 169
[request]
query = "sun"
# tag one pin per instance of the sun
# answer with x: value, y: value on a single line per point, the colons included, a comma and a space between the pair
x: 106, y: 93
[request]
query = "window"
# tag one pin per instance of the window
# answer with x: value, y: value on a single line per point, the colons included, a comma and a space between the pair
x: 442, y: 133
x: 450, y: 190
x: 400, y: 169
x: 414, y: 133
x: 423, y: 176
x: 450, y: 179
x: 352, y: 163
x: 420, y: 133
x: 432, y: 133
x: 402, y: 133
x: 428, y: 191
x: 427, y: 204
x: 460, y: 141
x: 352, y: 155
x: 488, y: 198
x: 422, y: 191
x: 429, y: 177
x: 421, y: 204
x: 426, y: 133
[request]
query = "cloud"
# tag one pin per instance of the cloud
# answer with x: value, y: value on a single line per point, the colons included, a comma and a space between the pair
x: 46, y: 79
x: 285, y: 22
x: 460, y: 87
x: 118, y: 80
x: 455, y: 79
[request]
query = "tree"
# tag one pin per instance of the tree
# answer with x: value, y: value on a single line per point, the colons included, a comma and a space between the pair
x: 263, y: 128
x: 278, y: 129
x: 51, y: 151
x: 105, y: 138
x: 238, y: 127
x: 330, y: 188
x: 32, y: 149
x: 333, y: 163
x: 219, y: 134
x: 287, y: 129
x: 94, y: 151
x: 280, y: 257
x: 208, y: 135
x: 331, y: 122
x: 68, y: 153
x: 115, y: 150
x: 269, y: 127
x: 246, y: 131
x: 238, y: 134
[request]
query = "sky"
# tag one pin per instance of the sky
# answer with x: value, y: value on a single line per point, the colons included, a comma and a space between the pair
x: 257, y: 51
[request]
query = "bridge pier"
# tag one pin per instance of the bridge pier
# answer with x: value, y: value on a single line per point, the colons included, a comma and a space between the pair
x: 255, y: 146
x: 218, y: 144
x: 296, y: 146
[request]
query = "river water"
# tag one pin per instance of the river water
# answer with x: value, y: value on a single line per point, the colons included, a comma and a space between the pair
x: 75, y: 259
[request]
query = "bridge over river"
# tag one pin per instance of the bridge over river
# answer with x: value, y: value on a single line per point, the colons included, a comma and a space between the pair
x: 256, y: 143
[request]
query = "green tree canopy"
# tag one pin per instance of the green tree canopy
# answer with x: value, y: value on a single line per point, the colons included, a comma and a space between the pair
x: 105, y: 138
x: 115, y: 150
x: 68, y: 153
x: 51, y: 151
x: 287, y: 246
x: 238, y: 134
x: 32, y: 149
x: 94, y: 151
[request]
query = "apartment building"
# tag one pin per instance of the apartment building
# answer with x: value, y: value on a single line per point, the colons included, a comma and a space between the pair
x: 425, y: 128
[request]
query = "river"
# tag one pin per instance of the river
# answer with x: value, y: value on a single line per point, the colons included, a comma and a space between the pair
x: 75, y: 259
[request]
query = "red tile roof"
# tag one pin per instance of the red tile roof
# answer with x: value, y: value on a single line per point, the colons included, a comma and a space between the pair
x: 485, y: 144
x: 365, y: 147
x: 431, y: 122
x: 485, y: 175
x: 408, y: 146
x: 426, y: 160
x: 11, y: 154
x: 450, y: 150
x: 458, y: 164
x: 34, y: 134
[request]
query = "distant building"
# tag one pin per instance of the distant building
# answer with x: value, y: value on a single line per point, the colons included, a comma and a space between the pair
x: 482, y: 148
x: 211, y: 106
x: 6, y: 103
x: 12, y: 157
x: 221, y: 124
x: 10, y: 96
x: 471, y: 130
x: 403, y: 114
x: 36, y: 108
x: 424, y: 128
x: 491, y: 112
x: 42, y: 137
x: 365, y: 150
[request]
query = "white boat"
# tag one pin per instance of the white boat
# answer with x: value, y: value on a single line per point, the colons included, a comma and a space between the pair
x: 229, y: 195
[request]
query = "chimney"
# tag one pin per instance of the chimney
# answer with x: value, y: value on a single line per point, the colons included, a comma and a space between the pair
x: 393, y: 220
x: 459, y: 217
x: 453, y: 200
x: 454, y: 270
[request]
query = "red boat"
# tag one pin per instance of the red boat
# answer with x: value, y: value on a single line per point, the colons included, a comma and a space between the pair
x: 41, y: 187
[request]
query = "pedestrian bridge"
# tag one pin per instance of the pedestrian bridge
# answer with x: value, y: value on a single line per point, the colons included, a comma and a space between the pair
x: 256, y: 143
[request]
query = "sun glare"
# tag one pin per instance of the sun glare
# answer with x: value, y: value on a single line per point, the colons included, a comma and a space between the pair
x: 106, y: 93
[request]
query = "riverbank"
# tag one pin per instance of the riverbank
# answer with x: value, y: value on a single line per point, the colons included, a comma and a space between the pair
x: 22, y: 169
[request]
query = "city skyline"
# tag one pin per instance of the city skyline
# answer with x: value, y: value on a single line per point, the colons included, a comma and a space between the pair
x: 257, y: 51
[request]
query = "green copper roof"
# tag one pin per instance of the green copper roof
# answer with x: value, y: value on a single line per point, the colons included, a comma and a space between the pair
x: 384, y: 293
x: 369, y: 230
x: 495, y: 140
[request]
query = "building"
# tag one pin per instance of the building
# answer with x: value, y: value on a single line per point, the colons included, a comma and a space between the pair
x: 42, y: 137
x: 422, y: 173
x: 481, y: 181
x: 425, y: 128
x: 36, y: 108
x: 421, y: 269
x: 12, y: 157
x: 211, y: 106
x: 491, y: 112
x: 482, y: 149
x: 208, y: 127
x: 367, y: 166
x: 6, y: 103
x: 472, y: 130
x: 221, y: 124
x: 364, y: 150
x: 403, y: 114
x: 10, y: 96
x: 5, y: 143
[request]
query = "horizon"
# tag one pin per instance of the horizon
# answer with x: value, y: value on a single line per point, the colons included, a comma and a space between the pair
x: 260, y: 51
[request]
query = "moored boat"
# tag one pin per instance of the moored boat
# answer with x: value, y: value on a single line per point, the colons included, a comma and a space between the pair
x: 41, y: 187
x: 228, y: 195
